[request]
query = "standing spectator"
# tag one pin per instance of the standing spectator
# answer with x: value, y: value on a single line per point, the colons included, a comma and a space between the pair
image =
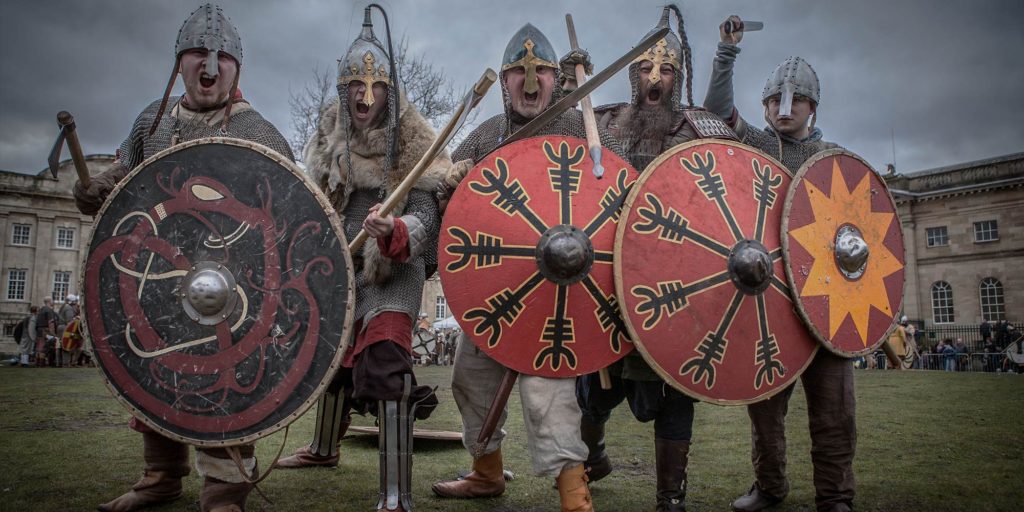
x: 948, y: 355
x: 1002, y: 340
x: 991, y: 354
x: 962, y: 357
x: 45, y: 328
x: 71, y: 337
x: 27, y: 340
x: 65, y: 315
x: 986, y: 331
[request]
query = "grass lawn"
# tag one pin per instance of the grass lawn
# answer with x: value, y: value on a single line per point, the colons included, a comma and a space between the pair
x: 928, y: 441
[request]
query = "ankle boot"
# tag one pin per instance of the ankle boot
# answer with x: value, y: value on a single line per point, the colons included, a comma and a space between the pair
x: 598, y: 465
x: 487, y: 480
x: 305, y: 457
x: 671, y: 458
x: 166, y: 462
x: 220, y: 496
x: 573, y: 491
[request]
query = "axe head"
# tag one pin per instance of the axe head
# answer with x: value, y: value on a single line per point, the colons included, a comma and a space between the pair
x: 54, y: 158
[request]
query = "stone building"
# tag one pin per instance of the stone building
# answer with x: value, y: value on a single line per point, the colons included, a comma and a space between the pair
x: 44, y: 242
x: 963, y: 226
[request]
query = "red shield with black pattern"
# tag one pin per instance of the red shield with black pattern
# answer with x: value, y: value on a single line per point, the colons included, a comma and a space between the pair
x: 844, y: 253
x: 526, y: 257
x: 699, y: 274
x: 217, y: 292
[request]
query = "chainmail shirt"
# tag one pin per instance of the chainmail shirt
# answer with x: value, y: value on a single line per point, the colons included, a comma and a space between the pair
x: 490, y: 134
x: 247, y: 124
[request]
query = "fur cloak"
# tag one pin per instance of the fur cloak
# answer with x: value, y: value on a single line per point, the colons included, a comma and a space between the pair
x: 327, y: 164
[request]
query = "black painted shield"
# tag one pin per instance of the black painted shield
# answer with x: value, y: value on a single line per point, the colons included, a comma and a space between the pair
x: 217, y: 292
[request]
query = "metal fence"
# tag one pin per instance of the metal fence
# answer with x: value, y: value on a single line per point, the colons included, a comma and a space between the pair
x: 990, y: 362
x: 930, y: 335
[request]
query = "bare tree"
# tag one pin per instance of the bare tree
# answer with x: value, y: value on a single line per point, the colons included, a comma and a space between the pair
x: 424, y: 85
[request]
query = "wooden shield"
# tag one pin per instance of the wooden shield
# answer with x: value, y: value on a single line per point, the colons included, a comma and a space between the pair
x: 526, y: 257
x: 217, y: 292
x: 699, y: 274
x: 850, y: 304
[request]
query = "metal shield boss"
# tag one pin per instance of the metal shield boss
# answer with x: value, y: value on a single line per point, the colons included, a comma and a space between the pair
x: 699, y: 274
x: 843, y: 247
x: 525, y: 254
x: 217, y: 292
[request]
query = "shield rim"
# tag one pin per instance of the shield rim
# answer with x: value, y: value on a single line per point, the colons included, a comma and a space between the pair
x: 346, y: 332
x: 620, y: 229
x: 458, y: 317
x: 787, y: 206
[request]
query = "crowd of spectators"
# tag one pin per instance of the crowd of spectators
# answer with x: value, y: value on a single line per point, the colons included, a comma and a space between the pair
x: 52, y: 337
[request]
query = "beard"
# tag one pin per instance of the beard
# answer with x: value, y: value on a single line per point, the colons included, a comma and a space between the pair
x: 649, y: 121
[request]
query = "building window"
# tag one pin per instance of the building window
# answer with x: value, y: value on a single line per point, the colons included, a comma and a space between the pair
x: 22, y: 234
x: 441, y: 308
x: 942, y: 303
x: 61, y: 282
x: 65, y: 238
x: 993, y: 308
x: 986, y: 231
x: 937, y: 237
x: 9, y: 330
x: 16, y: 279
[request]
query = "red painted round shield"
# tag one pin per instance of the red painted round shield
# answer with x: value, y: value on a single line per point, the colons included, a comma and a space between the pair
x: 526, y: 257
x: 699, y: 274
x: 844, y: 253
x: 217, y: 292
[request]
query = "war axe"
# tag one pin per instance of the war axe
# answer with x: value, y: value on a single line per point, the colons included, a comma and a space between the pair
x: 67, y: 133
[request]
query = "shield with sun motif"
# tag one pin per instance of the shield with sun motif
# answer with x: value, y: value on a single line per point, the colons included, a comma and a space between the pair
x: 217, y: 292
x: 526, y: 257
x: 699, y: 277
x: 843, y: 246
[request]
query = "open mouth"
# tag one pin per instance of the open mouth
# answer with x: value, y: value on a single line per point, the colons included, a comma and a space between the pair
x: 531, y: 96
x: 654, y: 95
x: 362, y: 108
x: 207, y: 81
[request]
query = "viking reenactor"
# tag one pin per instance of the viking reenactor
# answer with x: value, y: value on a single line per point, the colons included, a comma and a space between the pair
x: 654, y: 121
x: 791, y: 100
x: 531, y: 82
x: 367, y: 141
x: 208, y: 55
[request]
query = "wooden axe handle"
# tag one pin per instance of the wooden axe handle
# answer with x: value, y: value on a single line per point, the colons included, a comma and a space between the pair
x: 67, y: 123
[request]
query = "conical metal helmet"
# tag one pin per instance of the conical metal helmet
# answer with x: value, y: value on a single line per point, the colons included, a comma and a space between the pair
x: 668, y: 50
x: 794, y: 76
x: 366, y: 62
x: 529, y: 48
x: 208, y: 28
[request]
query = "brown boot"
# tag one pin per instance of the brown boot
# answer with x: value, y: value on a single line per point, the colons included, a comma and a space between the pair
x: 597, y: 465
x: 573, y: 490
x: 671, y: 458
x: 166, y: 462
x: 220, y: 496
x: 486, y: 481
x: 305, y: 458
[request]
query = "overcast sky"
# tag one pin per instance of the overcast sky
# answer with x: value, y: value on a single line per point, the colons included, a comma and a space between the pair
x: 945, y: 77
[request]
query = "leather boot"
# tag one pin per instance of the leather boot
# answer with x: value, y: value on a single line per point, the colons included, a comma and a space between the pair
x: 166, y: 462
x: 671, y: 458
x: 597, y: 465
x: 755, y: 500
x: 305, y: 458
x: 220, y: 496
x: 486, y: 481
x: 573, y: 490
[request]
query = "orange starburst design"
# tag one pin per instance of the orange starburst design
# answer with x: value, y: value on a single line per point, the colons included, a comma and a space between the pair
x: 853, y: 297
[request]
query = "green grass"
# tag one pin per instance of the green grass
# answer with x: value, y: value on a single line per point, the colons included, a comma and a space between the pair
x: 928, y: 441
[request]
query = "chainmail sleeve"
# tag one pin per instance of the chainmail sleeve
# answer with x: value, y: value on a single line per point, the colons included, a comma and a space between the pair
x: 424, y: 222
x: 132, y: 150
x: 251, y: 125
x: 719, y: 98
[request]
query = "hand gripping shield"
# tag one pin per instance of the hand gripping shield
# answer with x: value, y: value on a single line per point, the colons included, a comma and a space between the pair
x: 217, y: 292
x: 698, y: 274
x: 526, y: 257
x: 843, y: 247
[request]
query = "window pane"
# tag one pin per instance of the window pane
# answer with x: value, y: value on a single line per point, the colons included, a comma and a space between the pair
x: 441, y: 308
x: 22, y: 234
x: 61, y: 282
x: 65, y: 238
x: 938, y: 236
x: 942, y: 303
x: 986, y: 231
x: 16, y: 284
x: 993, y: 308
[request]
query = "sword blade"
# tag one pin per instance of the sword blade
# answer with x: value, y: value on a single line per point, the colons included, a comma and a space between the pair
x: 583, y: 90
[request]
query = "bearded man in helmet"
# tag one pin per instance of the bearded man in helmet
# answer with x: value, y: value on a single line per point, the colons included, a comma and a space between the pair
x: 367, y: 142
x: 790, y: 98
x: 654, y: 121
x: 208, y: 56
x: 531, y: 81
